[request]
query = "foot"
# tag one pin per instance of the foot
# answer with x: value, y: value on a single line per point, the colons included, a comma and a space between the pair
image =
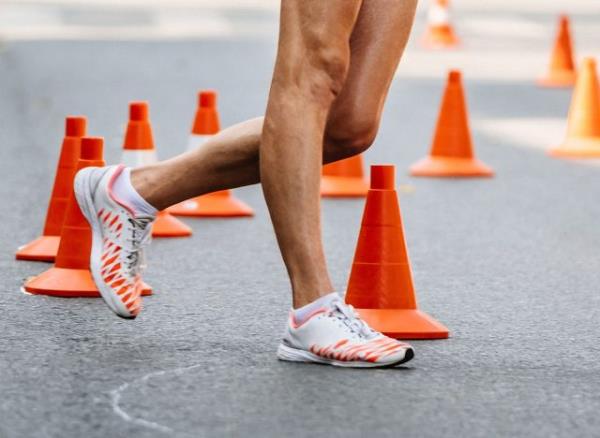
x: 335, y: 335
x: 118, y: 238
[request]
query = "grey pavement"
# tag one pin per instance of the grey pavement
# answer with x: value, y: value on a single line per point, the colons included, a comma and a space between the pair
x: 509, y: 264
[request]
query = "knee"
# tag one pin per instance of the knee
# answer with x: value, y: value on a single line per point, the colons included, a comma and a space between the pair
x: 317, y: 72
x: 328, y: 66
x: 351, y: 136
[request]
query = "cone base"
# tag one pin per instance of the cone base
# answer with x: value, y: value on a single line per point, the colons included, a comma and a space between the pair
x: 404, y: 323
x: 343, y: 187
x: 68, y: 283
x: 578, y: 148
x: 450, y: 167
x: 168, y: 226
x: 212, y: 206
x: 42, y: 249
x: 559, y: 79
x: 440, y: 39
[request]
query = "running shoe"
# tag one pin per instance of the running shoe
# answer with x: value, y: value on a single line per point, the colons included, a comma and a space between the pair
x: 118, y: 239
x: 335, y: 335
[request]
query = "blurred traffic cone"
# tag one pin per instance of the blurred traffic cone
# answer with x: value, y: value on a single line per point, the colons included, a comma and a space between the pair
x: 561, y: 72
x: 138, y: 145
x: 452, y: 150
x: 344, y: 178
x: 583, y: 130
x: 380, y: 285
x: 217, y: 204
x: 45, y: 247
x: 71, y: 276
x: 440, y: 33
x: 138, y: 150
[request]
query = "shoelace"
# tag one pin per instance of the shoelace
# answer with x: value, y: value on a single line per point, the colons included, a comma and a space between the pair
x: 139, y: 232
x: 347, y: 314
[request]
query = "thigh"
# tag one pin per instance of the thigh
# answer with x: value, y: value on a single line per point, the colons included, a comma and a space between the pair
x: 376, y: 45
x: 313, y: 35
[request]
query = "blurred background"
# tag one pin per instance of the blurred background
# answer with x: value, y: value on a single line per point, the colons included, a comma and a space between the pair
x: 510, y: 264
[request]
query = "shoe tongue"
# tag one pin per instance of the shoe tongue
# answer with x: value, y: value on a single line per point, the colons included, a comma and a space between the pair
x: 328, y: 300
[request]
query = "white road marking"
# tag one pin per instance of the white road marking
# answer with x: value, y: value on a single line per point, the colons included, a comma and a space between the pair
x: 116, y: 394
x: 531, y: 132
x: 534, y: 132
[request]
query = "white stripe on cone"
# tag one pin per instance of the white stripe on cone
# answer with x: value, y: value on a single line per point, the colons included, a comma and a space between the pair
x: 138, y: 157
x: 438, y: 15
x: 197, y: 140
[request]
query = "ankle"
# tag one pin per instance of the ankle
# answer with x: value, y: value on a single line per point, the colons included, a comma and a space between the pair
x: 124, y: 191
x: 303, y: 296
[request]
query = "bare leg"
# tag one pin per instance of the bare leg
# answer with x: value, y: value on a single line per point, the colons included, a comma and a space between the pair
x: 312, y: 61
x: 230, y: 159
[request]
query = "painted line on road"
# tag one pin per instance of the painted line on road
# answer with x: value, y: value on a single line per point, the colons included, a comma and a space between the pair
x: 117, y: 393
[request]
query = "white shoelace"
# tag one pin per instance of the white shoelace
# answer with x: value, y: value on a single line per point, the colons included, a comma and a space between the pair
x: 139, y: 236
x: 347, y: 314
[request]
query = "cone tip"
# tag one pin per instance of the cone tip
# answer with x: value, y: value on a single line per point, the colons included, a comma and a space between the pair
x: 589, y: 62
x: 207, y: 99
x: 383, y: 177
x: 75, y: 126
x: 454, y: 76
x: 91, y: 148
x: 138, y: 111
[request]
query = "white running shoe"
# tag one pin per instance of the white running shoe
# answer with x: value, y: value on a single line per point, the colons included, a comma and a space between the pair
x: 118, y: 238
x: 337, y: 336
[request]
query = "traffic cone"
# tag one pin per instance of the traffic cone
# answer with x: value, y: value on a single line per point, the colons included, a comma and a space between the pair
x: 561, y: 71
x: 45, y: 247
x: 439, y: 33
x: 344, y: 178
x: 71, y: 276
x: 380, y: 285
x: 583, y: 130
x: 452, y: 150
x: 138, y: 150
x: 217, y: 204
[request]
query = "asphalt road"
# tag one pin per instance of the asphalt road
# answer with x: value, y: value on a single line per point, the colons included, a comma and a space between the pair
x: 509, y: 264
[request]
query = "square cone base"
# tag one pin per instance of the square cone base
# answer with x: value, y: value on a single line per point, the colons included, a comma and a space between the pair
x: 559, y: 79
x: 578, y: 148
x: 68, y: 283
x: 343, y: 187
x: 449, y: 167
x: 404, y: 323
x: 42, y: 249
x: 167, y: 225
x: 212, y: 206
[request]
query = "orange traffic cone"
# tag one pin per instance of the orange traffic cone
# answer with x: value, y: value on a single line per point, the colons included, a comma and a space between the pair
x: 71, y: 276
x: 45, y: 247
x: 380, y: 285
x: 452, y: 150
x: 344, y: 178
x: 561, y: 72
x: 218, y: 204
x: 138, y: 150
x: 439, y: 33
x: 583, y: 130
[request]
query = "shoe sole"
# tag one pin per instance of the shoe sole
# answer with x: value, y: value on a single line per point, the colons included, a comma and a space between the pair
x: 83, y: 192
x: 291, y: 354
